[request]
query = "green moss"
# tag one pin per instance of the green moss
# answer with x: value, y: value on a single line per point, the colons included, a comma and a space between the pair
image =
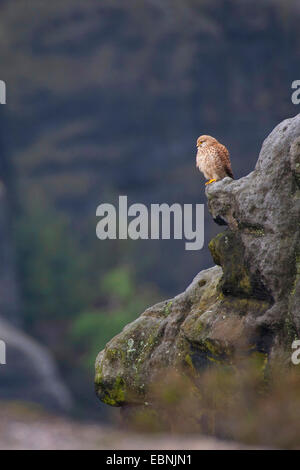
x: 141, y: 357
x: 253, y: 229
x: 245, y: 283
x: 167, y: 309
x: 243, y: 306
x: 227, y: 251
x: 98, y: 376
x: 214, y: 360
x: 213, y: 347
x: 126, y: 357
x: 214, y: 248
x: 135, y: 347
x: 215, y: 352
x: 290, y: 332
x: 112, y: 394
x: 297, y: 271
x: 114, y: 354
x: 116, y: 395
x: 189, y: 362
x: 199, y: 327
x: 259, y: 360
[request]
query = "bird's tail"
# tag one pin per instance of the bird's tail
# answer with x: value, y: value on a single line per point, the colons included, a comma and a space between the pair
x: 229, y: 173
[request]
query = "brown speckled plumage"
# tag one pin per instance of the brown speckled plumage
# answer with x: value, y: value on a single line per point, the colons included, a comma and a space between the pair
x: 213, y: 159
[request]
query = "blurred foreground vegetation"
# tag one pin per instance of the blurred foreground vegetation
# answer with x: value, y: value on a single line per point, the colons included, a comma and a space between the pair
x: 249, y: 402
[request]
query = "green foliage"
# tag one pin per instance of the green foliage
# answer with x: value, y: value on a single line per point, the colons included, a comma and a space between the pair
x: 51, y: 268
x: 118, y: 283
x: 122, y: 303
x: 77, y: 293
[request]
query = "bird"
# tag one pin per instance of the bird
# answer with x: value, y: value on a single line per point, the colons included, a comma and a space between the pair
x: 213, y: 159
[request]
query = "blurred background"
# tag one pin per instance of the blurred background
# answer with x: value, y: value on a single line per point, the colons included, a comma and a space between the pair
x: 106, y: 99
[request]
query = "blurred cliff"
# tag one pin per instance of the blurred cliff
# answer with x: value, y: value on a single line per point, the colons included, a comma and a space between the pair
x: 30, y: 373
x: 108, y: 98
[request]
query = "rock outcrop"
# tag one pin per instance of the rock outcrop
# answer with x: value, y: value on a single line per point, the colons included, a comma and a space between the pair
x: 248, y: 304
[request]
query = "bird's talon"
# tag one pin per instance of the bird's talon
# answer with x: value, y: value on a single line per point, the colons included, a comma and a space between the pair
x: 210, y: 181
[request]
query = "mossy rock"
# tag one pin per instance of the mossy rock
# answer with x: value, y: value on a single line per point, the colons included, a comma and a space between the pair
x: 228, y: 251
x: 196, y: 330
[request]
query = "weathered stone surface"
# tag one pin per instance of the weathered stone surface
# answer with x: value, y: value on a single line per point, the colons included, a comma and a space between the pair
x: 249, y: 304
x: 263, y: 215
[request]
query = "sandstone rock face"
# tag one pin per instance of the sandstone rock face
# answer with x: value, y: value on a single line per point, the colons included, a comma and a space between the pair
x: 248, y: 304
x: 263, y: 215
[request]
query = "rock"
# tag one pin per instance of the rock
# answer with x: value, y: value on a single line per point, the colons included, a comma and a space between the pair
x: 160, y: 337
x: 263, y: 213
x: 30, y: 373
x: 248, y: 304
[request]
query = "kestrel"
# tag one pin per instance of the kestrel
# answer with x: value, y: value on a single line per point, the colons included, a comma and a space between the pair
x: 213, y: 159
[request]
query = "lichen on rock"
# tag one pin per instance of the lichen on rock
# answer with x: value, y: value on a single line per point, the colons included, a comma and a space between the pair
x: 247, y: 305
